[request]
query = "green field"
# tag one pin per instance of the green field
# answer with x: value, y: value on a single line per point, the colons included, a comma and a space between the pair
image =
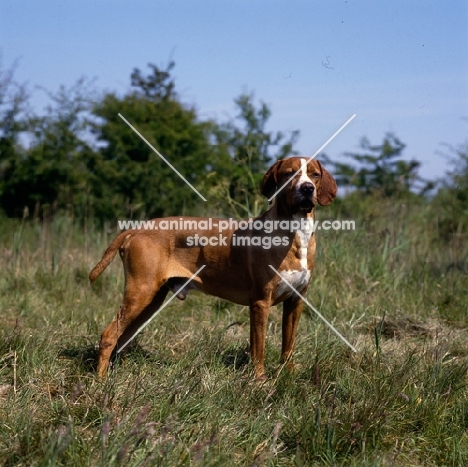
x: 396, y: 287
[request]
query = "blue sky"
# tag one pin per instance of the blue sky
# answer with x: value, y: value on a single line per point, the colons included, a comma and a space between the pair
x: 401, y: 66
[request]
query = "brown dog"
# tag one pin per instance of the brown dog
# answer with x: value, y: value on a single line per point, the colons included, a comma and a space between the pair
x: 238, y: 260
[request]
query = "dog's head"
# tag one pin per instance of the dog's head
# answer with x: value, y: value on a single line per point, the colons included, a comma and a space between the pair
x: 307, y: 183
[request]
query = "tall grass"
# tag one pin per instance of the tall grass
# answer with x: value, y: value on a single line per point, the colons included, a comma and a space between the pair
x: 396, y: 287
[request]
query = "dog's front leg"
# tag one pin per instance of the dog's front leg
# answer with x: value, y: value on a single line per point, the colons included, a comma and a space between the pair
x: 292, y: 309
x: 259, y: 311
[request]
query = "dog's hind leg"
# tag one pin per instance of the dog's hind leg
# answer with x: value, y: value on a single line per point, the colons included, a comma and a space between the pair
x: 138, y: 305
x: 143, y: 317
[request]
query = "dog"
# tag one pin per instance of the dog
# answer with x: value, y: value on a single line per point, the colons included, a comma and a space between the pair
x: 245, y: 263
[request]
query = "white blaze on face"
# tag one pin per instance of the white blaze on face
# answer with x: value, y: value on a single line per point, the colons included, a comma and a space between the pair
x: 304, y: 178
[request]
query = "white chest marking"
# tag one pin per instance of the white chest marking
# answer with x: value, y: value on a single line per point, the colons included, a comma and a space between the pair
x: 304, y: 234
x: 299, y: 278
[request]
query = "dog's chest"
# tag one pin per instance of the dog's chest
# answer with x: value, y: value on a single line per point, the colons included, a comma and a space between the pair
x: 295, y: 279
x: 298, y: 275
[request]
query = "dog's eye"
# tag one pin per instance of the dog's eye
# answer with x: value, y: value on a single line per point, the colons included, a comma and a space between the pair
x: 316, y: 175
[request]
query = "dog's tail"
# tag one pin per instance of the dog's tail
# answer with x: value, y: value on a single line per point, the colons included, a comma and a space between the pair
x: 109, y: 255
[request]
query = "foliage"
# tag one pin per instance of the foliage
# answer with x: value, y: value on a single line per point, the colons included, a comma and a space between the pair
x: 13, y: 100
x: 458, y: 177
x: 83, y: 159
x: 381, y: 170
x: 244, y: 154
x: 52, y: 173
x: 452, y: 197
x: 129, y: 179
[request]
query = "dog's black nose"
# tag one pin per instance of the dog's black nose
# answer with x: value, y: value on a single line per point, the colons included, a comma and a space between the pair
x: 306, y: 189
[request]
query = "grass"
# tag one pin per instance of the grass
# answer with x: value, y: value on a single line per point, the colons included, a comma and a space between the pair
x: 183, y: 394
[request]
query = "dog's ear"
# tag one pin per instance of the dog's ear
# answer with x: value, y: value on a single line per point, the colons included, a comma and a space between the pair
x: 270, y: 180
x: 327, y: 190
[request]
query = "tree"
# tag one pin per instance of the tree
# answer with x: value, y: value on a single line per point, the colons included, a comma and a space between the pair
x: 13, y: 100
x: 83, y: 159
x: 457, y: 178
x: 452, y: 197
x: 380, y: 170
x: 129, y: 179
x: 51, y: 175
x: 245, y: 152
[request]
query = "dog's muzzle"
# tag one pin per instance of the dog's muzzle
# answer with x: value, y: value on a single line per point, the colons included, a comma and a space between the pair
x: 305, y: 197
